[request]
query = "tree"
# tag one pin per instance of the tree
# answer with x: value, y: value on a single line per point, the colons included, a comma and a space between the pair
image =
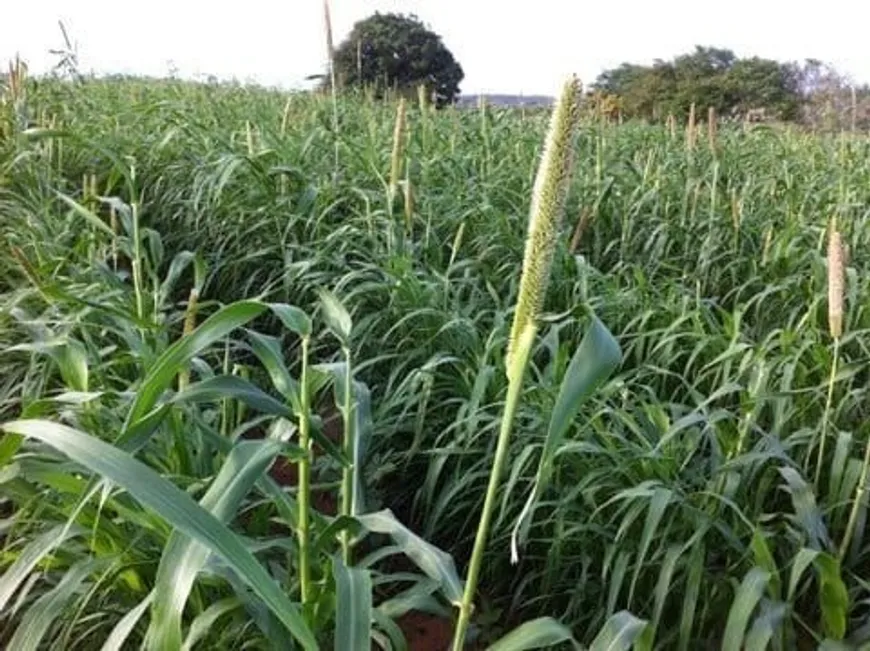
x: 707, y: 77
x: 396, y: 51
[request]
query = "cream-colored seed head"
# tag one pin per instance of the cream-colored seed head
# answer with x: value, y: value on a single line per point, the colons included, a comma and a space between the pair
x: 547, y: 206
x: 836, y: 282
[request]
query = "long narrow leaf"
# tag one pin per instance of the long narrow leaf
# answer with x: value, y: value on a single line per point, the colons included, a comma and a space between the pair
x: 353, y: 620
x: 183, y: 558
x: 596, y: 359
x: 541, y: 632
x: 173, y: 505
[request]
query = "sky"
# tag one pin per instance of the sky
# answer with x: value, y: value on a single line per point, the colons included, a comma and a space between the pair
x: 528, y: 48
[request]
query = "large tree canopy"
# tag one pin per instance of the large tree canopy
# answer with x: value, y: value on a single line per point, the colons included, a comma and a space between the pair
x: 396, y: 51
x: 707, y: 77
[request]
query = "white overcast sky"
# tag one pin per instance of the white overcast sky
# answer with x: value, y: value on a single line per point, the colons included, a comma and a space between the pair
x: 527, y: 47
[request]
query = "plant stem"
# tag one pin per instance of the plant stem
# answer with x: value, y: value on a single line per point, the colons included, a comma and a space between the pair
x: 826, y: 415
x: 860, y: 492
x: 136, y: 262
x: 515, y: 383
x: 347, y: 472
x: 304, y: 480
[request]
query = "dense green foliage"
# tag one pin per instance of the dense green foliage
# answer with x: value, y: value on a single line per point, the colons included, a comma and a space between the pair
x: 683, y: 492
x: 395, y: 51
x: 708, y: 77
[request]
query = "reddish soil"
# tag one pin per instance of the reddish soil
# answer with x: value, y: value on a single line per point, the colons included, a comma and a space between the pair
x: 425, y: 632
x: 286, y: 473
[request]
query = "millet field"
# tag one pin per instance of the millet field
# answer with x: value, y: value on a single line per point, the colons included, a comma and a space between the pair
x: 260, y: 353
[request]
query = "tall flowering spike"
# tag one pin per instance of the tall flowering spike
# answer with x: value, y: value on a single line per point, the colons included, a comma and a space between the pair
x: 547, y: 207
x: 398, y: 142
x: 836, y: 281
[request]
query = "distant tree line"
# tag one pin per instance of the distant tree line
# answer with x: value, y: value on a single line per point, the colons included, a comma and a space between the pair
x: 810, y: 92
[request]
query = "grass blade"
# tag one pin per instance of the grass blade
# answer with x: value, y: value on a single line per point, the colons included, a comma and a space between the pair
x: 537, y: 633
x: 748, y: 595
x: 183, y: 558
x: 30, y: 556
x: 173, y: 505
x: 353, y: 607
x: 594, y: 361
x: 437, y: 564
x: 619, y: 632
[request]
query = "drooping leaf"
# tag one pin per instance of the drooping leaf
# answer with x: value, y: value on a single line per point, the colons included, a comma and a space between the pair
x: 236, y: 388
x: 596, y: 359
x: 166, y: 367
x: 436, y: 563
x: 173, y: 505
x: 619, y: 632
x: 535, y: 634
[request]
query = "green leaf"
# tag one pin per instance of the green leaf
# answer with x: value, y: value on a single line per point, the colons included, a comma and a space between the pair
x: 663, y: 586
x: 833, y: 596
x: 42, y: 613
x: 764, y: 626
x: 166, y: 367
x: 236, y: 388
x: 203, y: 622
x: 89, y: 216
x: 596, y: 359
x: 73, y: 362
x: 116, y: 639
x: 361, y: 422
x: 29, y: 557
x: 748, y: 595
x: 658, y: 503
x: 764, y: 559
x: 437, y: 565
x: 173, y: 505
x: 353, y: 617
x: 183, y: 558
x: 540, y: 632
x: 807, y: 511
x: 690, y: 599
x: 268, y: 351
x: 619, y: 632
x: 179, y: 263
x: 802, y: 560
x: 335, y: 315
x: 293, y: 318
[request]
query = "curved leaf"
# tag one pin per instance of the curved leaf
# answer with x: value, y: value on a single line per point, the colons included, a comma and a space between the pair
x: 183, y: 558
x: 173, y: 505
x: 541, y: 632
x: 596, y: 359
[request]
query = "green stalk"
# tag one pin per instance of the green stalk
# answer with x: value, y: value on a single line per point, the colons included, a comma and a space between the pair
x: 826, y: 416
x: 860, y: 493
x: 547, y: 207
x: 136, y: 263
x: 347, y: 471
x: 304, y: 497
x: 515, y: 384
